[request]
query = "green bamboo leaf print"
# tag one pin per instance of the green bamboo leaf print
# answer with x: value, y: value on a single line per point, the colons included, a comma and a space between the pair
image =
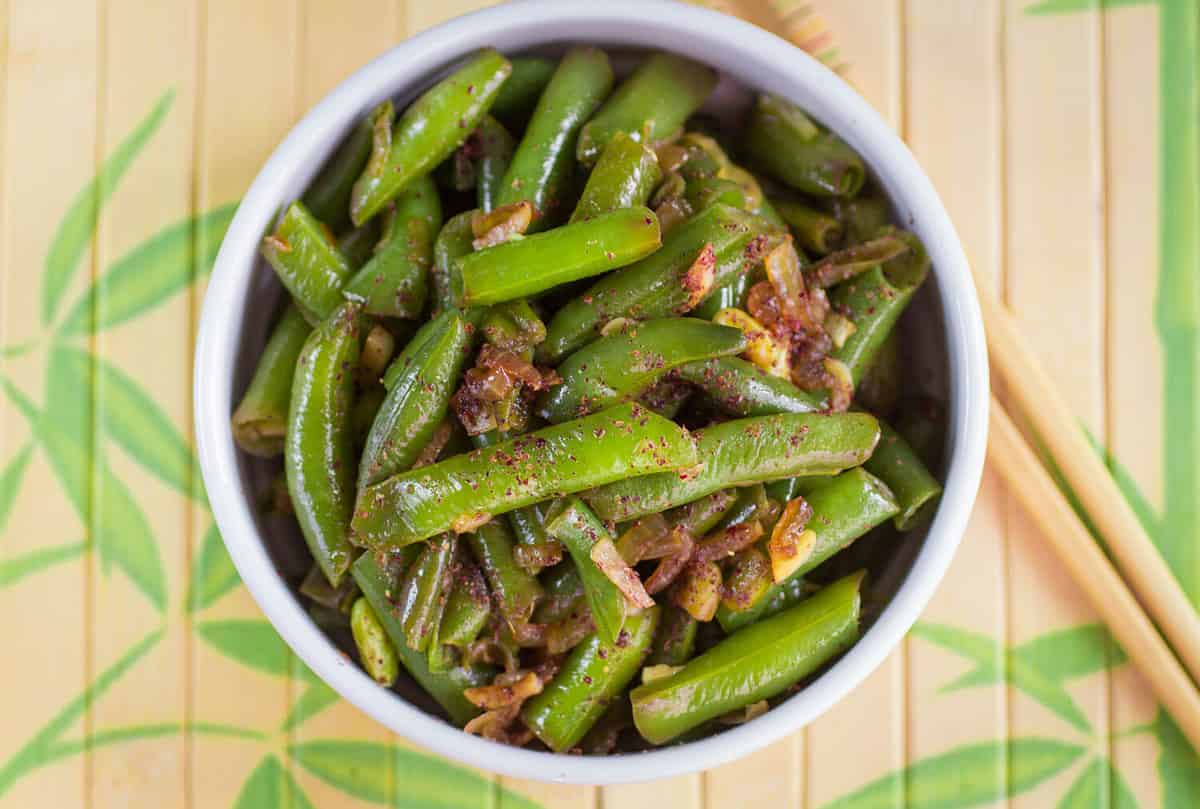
x: 123, y: 537
x: 1128, y: 487
x: 255, y: 644
x: 10, y: 482
x: 151, y: 273
x: 368, y: 770
x: 1073, y: 652
x: 1178, y: 765
x: 138, y: 733
x: 971, y: 775
x: 316, y: 698
x: 38, y: 750
x: 1099, y: 785
x: 270, y: 786
x: 129, y: 416
x: 24, y: 406
x: 213, y: 574
x: 17, y: 568
x: 1063, y: 6
x: 19, y: 350
x: 76, y: 228
x: 1026, y: 678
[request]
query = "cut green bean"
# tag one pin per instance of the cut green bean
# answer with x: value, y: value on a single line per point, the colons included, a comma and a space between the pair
x: 896, y: 464
x: 329, y: 195
x: 520, y: 93
x: 816, y: 232
x: 785, y: 141
x: 513, y: 326
x: 705, y: 192
x: 777, y: 598
x: 675, y: 641
x: 357, y: 244
x: 651, y: 105
x: 741, y: 388
x: 307, y: 262
x: 624, y: 177
x: 701, y: 516
x: 622, y: 366
x: 374, y: 649
x: 427, y: 133
x: 260, y: 421
x: 453, y: 242
x: 516, y: 591
x: 424, y: 592
x: 743, y: 452
x: 495, y: 149
x: 758, y: 663
x: 536, y: 263
x: 574, y: 525
x: 595, y: 673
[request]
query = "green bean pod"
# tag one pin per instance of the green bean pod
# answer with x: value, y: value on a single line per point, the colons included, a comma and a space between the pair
x: 307, y: 262
x: 778, y: 598
x: 418, y: 397
x: 881, y: 384
x: 741, y: 388
x: 495, y: 147
x: 624, y: 177
x: 783, y: 140
x: 701, y: 516
x: 844, y: 509
x: 318, y: 450
x: 328, y: 196
x: 523, y: 267
x: 513, y: 326
x: 358, y: 244
x: 595, y: 673
x: 462, y: 492
x: 704, y: 192
x: 574, y: 525
x: 860, y: 217
x: 744, y: 452
x: 666, y: 396
x: 453, y: 242
x: 425, y: 590
x: 520, y: 93
x: 758, y: 663
x: 649, y: 106
x: 657, y: 285
x: 374, y: 649
x: 428, y: 132
x: 622, y: 366
x: 541, y: 168
x: 815, y: 231
x: 467, y: 610
x: 260, y: 421
x: 528, y: 524
x: 445, y: 688
x: 515, y: 590
x: 675, y: 641
x: 896, y: 464
x: 395, y: 282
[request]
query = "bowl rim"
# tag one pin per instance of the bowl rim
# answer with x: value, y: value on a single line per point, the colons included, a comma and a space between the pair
x: 757, y: 58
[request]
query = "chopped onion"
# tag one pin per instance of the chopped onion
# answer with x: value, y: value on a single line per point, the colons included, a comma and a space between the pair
x: 501, y: 224
x: 698, y: 280
x: 845, y: 264
x: 538, y: 555
x: 839, y: 328
x: 647, y: 538
x: 669, y: 568
x: 617, y: 324
x: 467, y: 523
x: 841, y: 389
x: 659, y: 672
x: 762, y: 348
x: 748, y: 580
x: 698, y: 591
x: 744, y: 715
x: 437, y: 442
x: 791, y: 544
x: 727, y: 541
x: 608, y: 559
x: 507, y: 689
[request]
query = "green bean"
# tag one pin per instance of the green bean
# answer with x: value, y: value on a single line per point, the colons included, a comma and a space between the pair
x: 516, y: 591
x: 747, y: 580
x: 656, y: 286
x: 328, y: 197
x: 750, y: 503
x: 495, y: 147
x: 307, y: 262
x: 624, y: 177
x: 374, y: 649
x: 528, y: 524
x: 922, y: 422
x: 318, y: 449
x: 743, y: 452
x: 468, y: 608
x: 777, y: 598
x: 741, y: 388
x: 896, y: 464
x: 424, y: 592
x: 888, y: 245
x: 446, y: 688
x: 844, y: 509
x: 418, y: 398
x: 427, y: 133
x: 357, y: 244
x: 705, y: 192
x: 563, y: 591
x: 540, y: 171
x: 465, y: 490
x: 701, y: 516
x: 394, y: 283
x: 536, y: 263
x: 574, y: 525
x: 622, y: 366
x: 784, y: 141
x: 315, y: 587
x: 650, y: 106
x: 860, y: 217
x: 756, y: 201
x: 519, y: 94
x: 675, y: 641
x: 513, y: 326
x: 595, y: 673
x: 260, y: 421
x: 666, y: 396
x: 879, y: 388
x: 453, y: 242
x: 814, y: 230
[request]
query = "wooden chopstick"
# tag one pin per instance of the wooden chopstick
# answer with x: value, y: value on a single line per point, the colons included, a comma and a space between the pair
x: 1034, y: 397
x: 1091, y: 569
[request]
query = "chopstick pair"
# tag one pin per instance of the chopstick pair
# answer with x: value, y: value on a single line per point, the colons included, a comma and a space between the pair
x: 1147, y: 583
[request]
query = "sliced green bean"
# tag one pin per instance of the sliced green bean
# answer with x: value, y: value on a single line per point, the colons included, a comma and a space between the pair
x: 462, y: 492
x: 705, y: 192
x: 783, y: 140
x: 574, y: 525
x: 879, y: 389
x: 675, y: 641
x: 468, y: 609
x: 260, y: 421
x: 428, y: 132
x: 595, y: 673
x: 357, y: 244
x: 624, y: 177
x: 896, y: 464
x: 328, y: 197
x: 741, y: 388
x: 495, y: 147
x: 319, y: 447
x: 520, y: 93
x: 622, y: 366
x: 701, y: 516
x: 374, y: 649
x: 453, y: 242
x: 518, y: 268
x: 424, y: 592
x: 861, y: 217
x: 744, y: 452
x: 307, y: 262
x: 513, y: 326
x: 651, y: 105
x: 778, y: 598
x: 758, y: 663
x: 540, y: 171
x: 816, y: 232
x: 516, y: 591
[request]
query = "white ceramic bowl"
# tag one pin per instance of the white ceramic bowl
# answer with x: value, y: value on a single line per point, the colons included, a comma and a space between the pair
x: 241, y: 294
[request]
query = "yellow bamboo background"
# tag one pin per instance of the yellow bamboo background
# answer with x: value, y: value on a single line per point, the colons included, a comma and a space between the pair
x: 1039, y: 132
